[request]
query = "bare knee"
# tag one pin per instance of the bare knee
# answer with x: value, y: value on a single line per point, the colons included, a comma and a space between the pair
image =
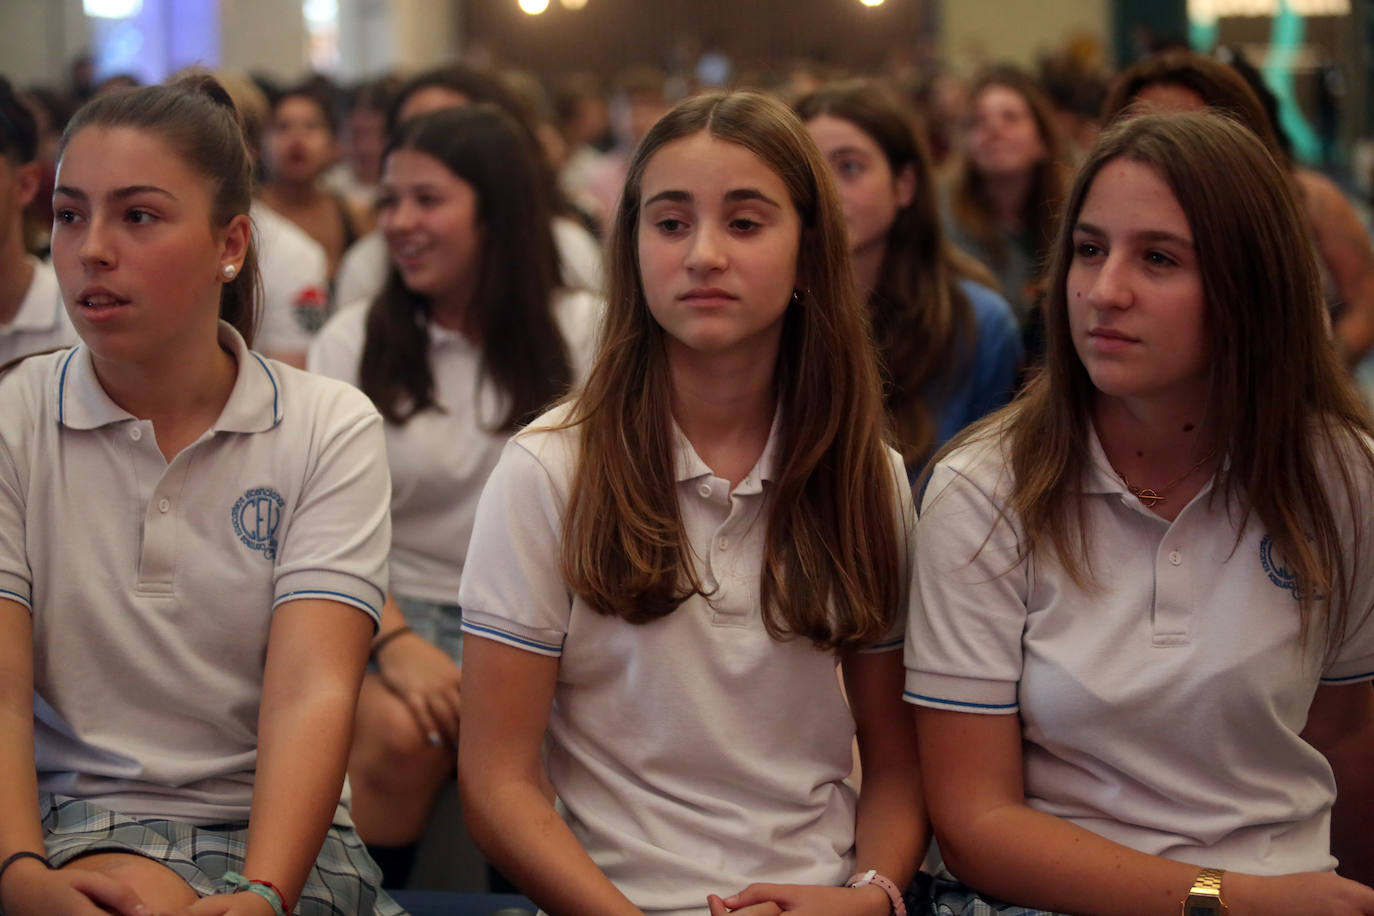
x: 390, y: 753
x: 156, y: 885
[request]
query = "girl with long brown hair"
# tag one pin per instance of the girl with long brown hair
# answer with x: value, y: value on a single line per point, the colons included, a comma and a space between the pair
x: 1141, y: 648
x: 949, y: 348
x: 1007, y: 190
x: 471, y: 337
x: 666, y: 571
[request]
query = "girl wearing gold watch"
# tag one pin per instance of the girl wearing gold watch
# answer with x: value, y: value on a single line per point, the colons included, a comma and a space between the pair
x: 1141, y: 645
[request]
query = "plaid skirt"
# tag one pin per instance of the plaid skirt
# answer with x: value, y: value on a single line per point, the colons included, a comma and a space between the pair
x: 344, y: 881
x: 949, y: 897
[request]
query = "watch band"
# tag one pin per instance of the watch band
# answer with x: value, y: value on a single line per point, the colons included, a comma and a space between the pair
x: 894, y: 894
x: 1206, y: 892
x: 1208, y: 882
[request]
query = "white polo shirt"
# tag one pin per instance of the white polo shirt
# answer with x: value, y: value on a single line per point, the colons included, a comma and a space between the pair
x: 440, y: 459
x: 362, y: 270
x: 1161, y: 711
x: 152, y: 584
x: 295, y: 283
x: 41, y: 322
x: 693, y: 754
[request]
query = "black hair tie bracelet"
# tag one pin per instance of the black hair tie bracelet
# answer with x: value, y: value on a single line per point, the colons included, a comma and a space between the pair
x: 24, y: 854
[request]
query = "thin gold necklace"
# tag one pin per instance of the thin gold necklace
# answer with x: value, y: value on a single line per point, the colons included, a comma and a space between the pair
x: 1150, y: 497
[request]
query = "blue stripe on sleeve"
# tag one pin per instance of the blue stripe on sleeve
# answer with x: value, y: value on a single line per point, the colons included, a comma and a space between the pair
x: 1351, y: 679
x: 908, y: 695
x: 332, y: 596
x: 478, y: 629
x: 17, y: 597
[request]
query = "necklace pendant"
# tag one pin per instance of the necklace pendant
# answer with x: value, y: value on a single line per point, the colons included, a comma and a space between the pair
x: 1148, y: 498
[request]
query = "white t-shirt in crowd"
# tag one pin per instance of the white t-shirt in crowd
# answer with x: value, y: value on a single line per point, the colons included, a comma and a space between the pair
x: 694, y: 754
x: 440, y: 459
x: 41, y: 322
x: 152, y: 584
x: 295, y: 284
x: 362, y: 271
x: 1162, y: 710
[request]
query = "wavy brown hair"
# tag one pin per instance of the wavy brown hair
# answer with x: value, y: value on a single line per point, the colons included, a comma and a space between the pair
x: 523, y: 352
x: 1292, y: 434
x: 923, y: 322
x: 968, y: 200
x: 832, y: 562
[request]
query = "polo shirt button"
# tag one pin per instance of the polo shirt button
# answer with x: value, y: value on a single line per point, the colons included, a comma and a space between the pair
x: 1175, y: 557
x: 723, y: 543
x: 705, y: 490
x: 135, y: 434
x: 163, y: 505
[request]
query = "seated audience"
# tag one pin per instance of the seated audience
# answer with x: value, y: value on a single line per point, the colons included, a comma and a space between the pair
x: 949, y: 348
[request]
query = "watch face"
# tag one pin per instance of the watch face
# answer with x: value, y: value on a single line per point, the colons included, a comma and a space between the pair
x: 1202, y: 906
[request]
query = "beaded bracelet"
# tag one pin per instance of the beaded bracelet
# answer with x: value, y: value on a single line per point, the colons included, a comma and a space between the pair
x: 264, y: 889
x: 24, y: 854
x: 894, y: 894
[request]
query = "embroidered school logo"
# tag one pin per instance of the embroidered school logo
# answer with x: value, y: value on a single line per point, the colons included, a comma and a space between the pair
x: 1278, y: 573
x: 256, y: 517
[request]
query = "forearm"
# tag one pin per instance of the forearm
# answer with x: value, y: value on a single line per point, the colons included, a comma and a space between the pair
x: 1035, y: 859
x: 891, y: 832
x: 891, y: 827
x: 515, y: 825
x: 302, y: 752
x: 392, y: 618
x: 1349, y: 748
x: 19, y: 828
x: 1350, y: 820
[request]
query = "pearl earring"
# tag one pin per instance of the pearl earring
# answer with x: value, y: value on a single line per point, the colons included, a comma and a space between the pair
x: 230, y: 271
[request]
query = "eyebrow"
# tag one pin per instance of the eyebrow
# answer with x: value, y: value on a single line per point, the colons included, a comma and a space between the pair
x: 116, y: 194
x: 1145, y: 235
x: 738, y: 194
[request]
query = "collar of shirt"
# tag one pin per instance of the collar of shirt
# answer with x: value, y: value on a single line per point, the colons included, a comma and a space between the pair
x: 689, y: 465
x: 1100, y: 476
x: 254, y: 404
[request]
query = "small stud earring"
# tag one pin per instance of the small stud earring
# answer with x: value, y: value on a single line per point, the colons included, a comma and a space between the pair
x: 230, y: 271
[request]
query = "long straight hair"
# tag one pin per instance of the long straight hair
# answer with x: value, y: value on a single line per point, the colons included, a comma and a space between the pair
x: 832, y: 568
x: 968, y: 200
x: 523, y: 351
x: 196, y: 118
x: 1293, y: 435
x: 923, y: 322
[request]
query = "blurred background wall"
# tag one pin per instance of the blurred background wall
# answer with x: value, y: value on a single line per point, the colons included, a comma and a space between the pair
x: 1319, y: 52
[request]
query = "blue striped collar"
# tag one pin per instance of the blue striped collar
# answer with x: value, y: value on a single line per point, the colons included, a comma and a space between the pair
x: 254, y: 403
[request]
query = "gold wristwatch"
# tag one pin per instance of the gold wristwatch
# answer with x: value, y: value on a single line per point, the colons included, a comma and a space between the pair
x: 1205, y: 897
